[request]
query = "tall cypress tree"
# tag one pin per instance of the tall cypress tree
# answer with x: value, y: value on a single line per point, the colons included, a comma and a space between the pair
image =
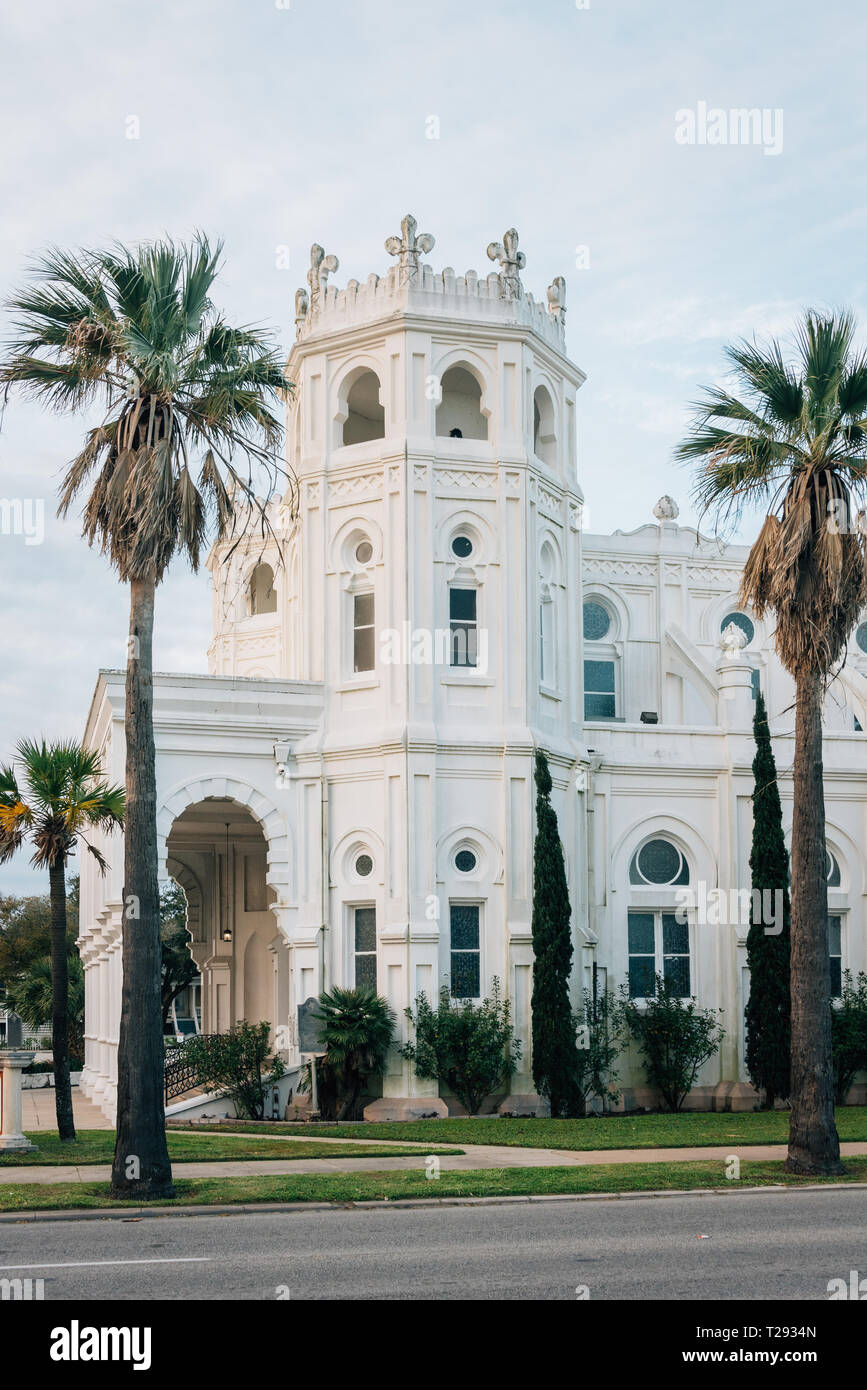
x: 555, y: 1056
x: 768, y: 1013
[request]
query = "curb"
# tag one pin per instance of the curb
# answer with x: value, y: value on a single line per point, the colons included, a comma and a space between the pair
x: 384, y: 1203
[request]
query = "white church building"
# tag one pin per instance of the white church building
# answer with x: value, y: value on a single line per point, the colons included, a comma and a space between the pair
x: 348, y: 796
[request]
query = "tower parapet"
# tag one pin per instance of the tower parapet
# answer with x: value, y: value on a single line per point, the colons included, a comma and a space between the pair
x: 415, y: 287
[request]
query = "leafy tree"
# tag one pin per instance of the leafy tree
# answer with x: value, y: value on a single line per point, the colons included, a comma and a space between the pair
x: 794, y: 442
x: 768, y: 1011
x: 31, y: 994
x: 675, y: 1038
x: 555, y: 1062
x: 849, y: 1034
x: 357, y: 1030
x: 598, y: 1047
x: 180, y: 391
x: 25, y: 932
x: 468, y: 1047
x: 240, y: 1062
x: 178, y: 967
x: 53, y: 798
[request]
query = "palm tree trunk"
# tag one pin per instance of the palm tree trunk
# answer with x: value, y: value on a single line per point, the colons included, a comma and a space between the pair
x: 141, y: 1161
x: 60, y: 1005
x: 813, y: 1143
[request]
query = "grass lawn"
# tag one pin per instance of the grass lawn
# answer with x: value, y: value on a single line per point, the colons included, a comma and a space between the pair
x: 97, y: 1146
x: 698, y: 1128
x: 352, y: 1187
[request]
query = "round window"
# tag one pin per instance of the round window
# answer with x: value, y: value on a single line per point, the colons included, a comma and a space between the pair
x: 861, y: 636
x: 740, y: 620
x: 462, y: 546
x: 363, y: 552
x: 659, y: 862
x: 465, y: 861
x: 364, y: 865
x: 597, y: 622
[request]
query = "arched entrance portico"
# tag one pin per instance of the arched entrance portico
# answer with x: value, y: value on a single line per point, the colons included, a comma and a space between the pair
x: 217, y: 851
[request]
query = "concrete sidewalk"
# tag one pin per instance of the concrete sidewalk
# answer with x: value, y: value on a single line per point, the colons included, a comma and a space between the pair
x: 38, y: 1110
x: 475, y: 1156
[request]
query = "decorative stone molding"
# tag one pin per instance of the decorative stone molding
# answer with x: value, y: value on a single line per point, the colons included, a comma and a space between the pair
x: 272, y: 822
x: 466, y: 480
x: 620, y: 569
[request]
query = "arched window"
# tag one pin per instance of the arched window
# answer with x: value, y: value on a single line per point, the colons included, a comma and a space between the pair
x: 459, y: 413
x: 658, y: 940
x: 263, y: 595
x: 544, y: 438
x: 547, y: 618
x: 658, y: 863
x: 600, y: 661
x: 365, y: 419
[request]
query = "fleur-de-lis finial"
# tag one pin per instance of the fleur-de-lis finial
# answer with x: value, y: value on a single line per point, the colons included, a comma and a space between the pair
x: 321, y: 266
x: 557, y: 299
x: 302, y: 306
x: 408, y: 247
x: 512, y: 261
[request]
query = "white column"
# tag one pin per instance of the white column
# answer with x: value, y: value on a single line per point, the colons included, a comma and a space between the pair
x: 12, y: 1065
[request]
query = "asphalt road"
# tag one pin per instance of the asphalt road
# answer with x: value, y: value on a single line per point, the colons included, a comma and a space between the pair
x: 774, y: 1245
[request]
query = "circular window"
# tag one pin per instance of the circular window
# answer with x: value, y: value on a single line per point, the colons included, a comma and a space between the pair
x: 597, y: 622
x: 659, y: 862
x: 740, y: 620
x: 462, y: 546
x: 364, y: 865
x: 363, y: 552
x: 861, y: 636
x: 465, y: 861
x: 832, y: 870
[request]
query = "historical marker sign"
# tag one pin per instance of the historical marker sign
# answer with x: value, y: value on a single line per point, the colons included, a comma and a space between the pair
x: 310, y: 1028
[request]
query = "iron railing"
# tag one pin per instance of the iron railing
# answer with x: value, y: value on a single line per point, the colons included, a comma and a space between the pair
x: 179, y: 1074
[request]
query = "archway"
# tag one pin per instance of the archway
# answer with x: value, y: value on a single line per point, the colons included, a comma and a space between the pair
x: 219, y: 845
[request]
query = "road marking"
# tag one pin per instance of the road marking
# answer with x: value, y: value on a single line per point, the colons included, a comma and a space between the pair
x: 92, y: 1264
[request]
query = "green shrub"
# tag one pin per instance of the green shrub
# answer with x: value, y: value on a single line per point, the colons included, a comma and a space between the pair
x: 469, y: 1047
x: 239, y: 1062
x: 357, y: 1030
x: 598, y: 1039
x: 675, y: 1038
x: 849, y: 1034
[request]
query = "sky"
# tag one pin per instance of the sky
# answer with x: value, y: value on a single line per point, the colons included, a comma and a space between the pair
x: 276, y: 123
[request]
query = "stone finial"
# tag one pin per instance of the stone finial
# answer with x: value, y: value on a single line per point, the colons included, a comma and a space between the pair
x: 408, y: 247
x: 733, y: 639
x: 321, y: 266
x: 302, y: 308
x: 512, y: 261
x: 666, y: 509
x: 557, y: 299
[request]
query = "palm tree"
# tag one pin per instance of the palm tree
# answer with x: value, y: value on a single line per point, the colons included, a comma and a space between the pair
x: 357, y: 1027
x: 794, y: 441
x: 31, y: 994
x: 58, y: 797
x: 136, y: 331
